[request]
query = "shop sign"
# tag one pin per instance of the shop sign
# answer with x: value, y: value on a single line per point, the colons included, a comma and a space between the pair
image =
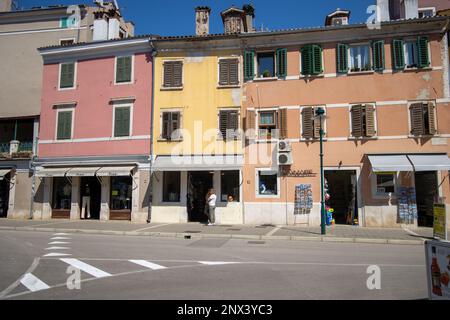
x: 440, y: 223
x: 437, y: 255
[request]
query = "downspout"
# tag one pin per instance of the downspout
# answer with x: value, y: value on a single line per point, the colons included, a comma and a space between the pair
x: 152, y: 109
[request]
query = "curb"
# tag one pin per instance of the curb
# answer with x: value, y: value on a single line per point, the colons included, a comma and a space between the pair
x: 218, y: 236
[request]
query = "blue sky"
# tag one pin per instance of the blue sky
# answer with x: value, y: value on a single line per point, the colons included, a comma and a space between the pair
x: 176, y: 17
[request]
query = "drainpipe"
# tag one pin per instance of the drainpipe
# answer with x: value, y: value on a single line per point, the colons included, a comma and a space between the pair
x: 152, y: 109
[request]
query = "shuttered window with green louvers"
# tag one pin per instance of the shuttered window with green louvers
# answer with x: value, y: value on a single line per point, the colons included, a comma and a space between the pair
x: 281, y: 63
x: 423, y: 52
x: 342, y: 58
x: 312, y: 60
x: 67, y: 76
x: 378, y: 55
x: 398, y: 54
x: 124, y: 69
x: 122, y: 122
x: 249, y: 65
x: 64, y: 129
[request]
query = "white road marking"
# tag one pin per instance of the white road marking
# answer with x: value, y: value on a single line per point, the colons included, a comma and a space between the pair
x: 57, y: 248
x: 148, y: 264
x: 87, y: 268
x: 33, y: 284
x: 216, y: 263
x: 59, y: 238
x: 152, y: 227
x: 58, y: 242
x: 61, y: 234
x: 272, y: 232
x: 51, y: 255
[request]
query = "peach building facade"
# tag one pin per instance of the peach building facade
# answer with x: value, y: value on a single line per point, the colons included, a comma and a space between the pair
x: 377, y: 88
x: 94, y: 139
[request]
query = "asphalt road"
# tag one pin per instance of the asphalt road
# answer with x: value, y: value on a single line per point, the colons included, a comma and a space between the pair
x: 34, y: 266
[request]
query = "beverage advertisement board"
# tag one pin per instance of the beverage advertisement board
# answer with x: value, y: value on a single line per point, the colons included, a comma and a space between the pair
x: 440, y: 225
x: 438, y: 269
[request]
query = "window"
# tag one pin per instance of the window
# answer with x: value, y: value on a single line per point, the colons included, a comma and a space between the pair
x: 359, y: 58
x: 66, y: 42
x: 411, y: 53
x: 62, y: 194
x: 427, y: 12
x: 363, y: 120
x: 171, y: 186
x: 64, y: 124
x: 312, y: 60
x: 173, y: 74
x: 266, y: 65
x: 229, y: 124
x: 67, y: 75
x: 124, y: 69
x: 267, y: 124
x: 423, y: 118
x: 228, y: 72
x: 310, y: 123
x: 121, y: 193
x: 268, y: 183
x: 122, y: 121
x: 171, y: 125
x: 385, y: 183
x: 64, y: 23
x: 229, y: 186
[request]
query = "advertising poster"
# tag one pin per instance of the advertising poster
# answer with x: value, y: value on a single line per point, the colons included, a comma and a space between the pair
x: 440, y: 225
x: 438, y: 269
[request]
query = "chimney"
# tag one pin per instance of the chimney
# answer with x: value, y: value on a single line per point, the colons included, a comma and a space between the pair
x: 100, y: 26
x: 383, y: 10
x: 233, y: 20
x: 202, y: 20
x: 338, y: 18
x: 6, y: 5
x: 411, y: 8
x: 113, y: 25
x: 249, y: 11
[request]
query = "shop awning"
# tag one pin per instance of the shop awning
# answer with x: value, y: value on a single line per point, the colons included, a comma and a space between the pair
x: 390, y: 163
x: 432, y: 162
x: 3, y: 173
x: 198, y: 163
x: 115, y: 171
x: 50, y: 172
x: 67, y: 172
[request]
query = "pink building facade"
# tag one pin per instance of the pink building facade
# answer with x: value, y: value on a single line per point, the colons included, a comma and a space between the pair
x: 94, y: 137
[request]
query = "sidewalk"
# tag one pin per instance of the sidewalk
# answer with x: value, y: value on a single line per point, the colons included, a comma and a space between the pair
x: 195, y: 230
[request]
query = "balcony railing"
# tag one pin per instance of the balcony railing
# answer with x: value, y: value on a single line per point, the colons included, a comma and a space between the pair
x: 4, y: 147
x: 25, y: 149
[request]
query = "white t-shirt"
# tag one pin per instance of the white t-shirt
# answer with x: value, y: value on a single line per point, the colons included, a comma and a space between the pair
x: 212, y: 200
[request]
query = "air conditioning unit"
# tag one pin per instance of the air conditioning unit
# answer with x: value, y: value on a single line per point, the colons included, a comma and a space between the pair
x: 284, y: 146
x: 285, y: 159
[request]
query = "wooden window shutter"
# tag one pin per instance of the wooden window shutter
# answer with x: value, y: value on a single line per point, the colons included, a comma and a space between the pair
x: 249, y: 65
x: 64, y: 131
x: 250, y: 124
x: 398, y: 55
x: 233, y: 69
x: 281, y: 63
x: 122, y: 122
x: 357, y: 121
x: 177, y: 74
x: 166, y: 119
x: 67, y: 75
x: 316, y: 53
x: 316, y: 123
x: 307, y: 60
x: 223, y: 123
x: 175, y: 125
x: 424, y: 56
x: 432, y: 118
x: 233, y: 124
x: 342, y: 58
x: 282, y: 123
x: 123, y: 69
x: 223, y: 72
x: 308, y: 122
x: 417, y: 119
x: 370, y: 120
x: 378, y: 55
x: 168, y: 74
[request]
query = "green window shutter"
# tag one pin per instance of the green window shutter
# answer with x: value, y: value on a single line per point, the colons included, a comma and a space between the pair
x: 342, y: 58
x: 123, y: 69
x: 281, y: 63
x: 67, y: 75
x: 424, y: 56
x: 122, y: 122
x: 307, y: 60
x: 64, y: 131
x: 378, y: 55
x: 316, y: 53
x: 64, y: 23
x: 249, y: 65
x: 398, y: 55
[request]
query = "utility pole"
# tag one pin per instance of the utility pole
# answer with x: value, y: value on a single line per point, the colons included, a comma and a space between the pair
x: 320, y: 112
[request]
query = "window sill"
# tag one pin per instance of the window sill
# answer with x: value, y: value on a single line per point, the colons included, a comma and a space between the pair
x: 351, y: 73
x: 172, y: 88
x: 362, y: 138
x: 424, y: 136
x: 416, y: 69
x: 266, y: 79
x: 123, y: 83
x: 66, y: 89
x: 230, y: 86
x: 259, y: 196
x: 312, y: 76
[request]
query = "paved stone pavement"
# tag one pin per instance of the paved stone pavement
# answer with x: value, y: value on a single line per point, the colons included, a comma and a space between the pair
x: 195, y: 230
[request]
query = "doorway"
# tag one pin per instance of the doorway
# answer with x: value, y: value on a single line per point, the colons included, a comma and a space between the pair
x: 91, y: 187
x: 342, y: 188
x: 199, y: 184
x: 426, y: 195
x: 4, y: 196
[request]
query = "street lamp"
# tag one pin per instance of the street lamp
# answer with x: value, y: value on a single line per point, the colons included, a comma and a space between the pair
x: 320, y: 112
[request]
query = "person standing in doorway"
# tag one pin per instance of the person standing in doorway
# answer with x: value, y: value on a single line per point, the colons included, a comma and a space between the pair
x: 86, y: 203
x: 212, y: 207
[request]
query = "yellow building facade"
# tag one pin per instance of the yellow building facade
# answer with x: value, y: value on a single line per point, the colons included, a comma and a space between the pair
x: 198, y: 144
